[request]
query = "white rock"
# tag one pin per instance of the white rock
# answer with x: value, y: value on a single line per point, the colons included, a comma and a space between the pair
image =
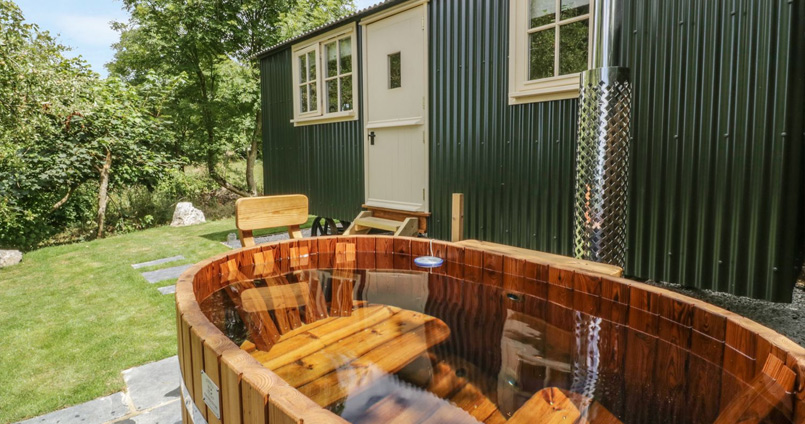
x: 10, y: 257
x: 185, y: 214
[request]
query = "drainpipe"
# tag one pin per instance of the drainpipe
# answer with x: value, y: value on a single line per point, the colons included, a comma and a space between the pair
x: 602, y: 155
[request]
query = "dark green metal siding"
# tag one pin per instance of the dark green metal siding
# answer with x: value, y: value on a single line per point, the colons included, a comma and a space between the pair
x: 717, y: 153
x: 716, y: 195
x: 325, y: 162
x: 513, y: 164
x: 716, y: 198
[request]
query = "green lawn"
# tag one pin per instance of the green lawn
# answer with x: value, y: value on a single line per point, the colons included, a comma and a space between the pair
x: 73, y: 317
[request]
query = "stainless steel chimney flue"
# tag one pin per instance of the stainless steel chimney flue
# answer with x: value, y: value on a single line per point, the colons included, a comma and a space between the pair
x: 602, y: 155
x: 606, y: 42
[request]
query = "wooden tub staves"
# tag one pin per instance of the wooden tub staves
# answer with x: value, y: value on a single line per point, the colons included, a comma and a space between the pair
x: 707, y: 370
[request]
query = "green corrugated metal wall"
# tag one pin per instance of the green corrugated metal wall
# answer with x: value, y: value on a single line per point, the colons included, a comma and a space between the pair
x: 717, y: 179
x: 717, y: 152
x: 325, y: 162
x: 513, y: 164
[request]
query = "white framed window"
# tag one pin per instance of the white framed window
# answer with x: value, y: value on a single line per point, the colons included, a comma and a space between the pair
x: 324, y: 78
x: 307, y: 84
x: 338, y: 75
x: 549, y: 45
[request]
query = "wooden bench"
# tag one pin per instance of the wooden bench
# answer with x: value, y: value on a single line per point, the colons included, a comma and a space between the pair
x: 255, y: 213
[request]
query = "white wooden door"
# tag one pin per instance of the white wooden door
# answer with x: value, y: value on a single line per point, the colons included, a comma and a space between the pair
x: 396, y: 87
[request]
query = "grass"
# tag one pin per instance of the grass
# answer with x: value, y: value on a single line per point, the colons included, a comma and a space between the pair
x: 73, y: 317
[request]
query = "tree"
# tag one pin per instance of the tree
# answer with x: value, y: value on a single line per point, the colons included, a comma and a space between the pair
x: 37, y: 83
x: 210, y: 42
x: 63, y: 130
x: 308, y: 15
x: 175, y: 37
x: 123, y: 135
x: 117, y: 139
x: 253, y: 34
x: 35, y: 77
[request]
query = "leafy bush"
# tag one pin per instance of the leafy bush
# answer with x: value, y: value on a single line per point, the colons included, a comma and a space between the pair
x: 137, y: 208
x: 184, y: 186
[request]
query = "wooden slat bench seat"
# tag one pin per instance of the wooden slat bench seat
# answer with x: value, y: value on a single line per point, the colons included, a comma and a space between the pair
x: 317, y: 361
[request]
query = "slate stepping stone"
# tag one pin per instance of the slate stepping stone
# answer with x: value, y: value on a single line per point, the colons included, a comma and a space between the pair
x: 165, y: 274
x: 168, y: 289
x: 153, y: 384
x: 96, y: 411
x: 170, y: 413
x: 158, y: 262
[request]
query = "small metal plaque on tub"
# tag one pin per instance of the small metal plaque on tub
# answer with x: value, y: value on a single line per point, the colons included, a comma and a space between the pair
x: 211, y: 394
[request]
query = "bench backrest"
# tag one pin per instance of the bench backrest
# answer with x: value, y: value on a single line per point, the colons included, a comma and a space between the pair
x: 253, y: 213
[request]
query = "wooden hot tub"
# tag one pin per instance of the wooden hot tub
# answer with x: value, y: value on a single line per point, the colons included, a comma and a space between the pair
x: 350, y: 326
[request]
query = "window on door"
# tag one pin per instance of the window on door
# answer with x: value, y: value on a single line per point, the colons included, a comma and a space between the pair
x: 550, y: 46
x: 395, y: 70
x: 324, y: 78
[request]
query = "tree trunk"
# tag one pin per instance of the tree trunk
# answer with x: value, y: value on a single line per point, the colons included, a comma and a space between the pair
x: 220, y: 179
x: 251, y: 159
x: 63, y: 200
x: 210, y: 129
x: 103, y: 194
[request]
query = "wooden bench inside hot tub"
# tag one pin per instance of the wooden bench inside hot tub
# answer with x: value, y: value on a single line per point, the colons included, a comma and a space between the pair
x: 317, y: 349
x: 318, y: 358
x: 342, y: 355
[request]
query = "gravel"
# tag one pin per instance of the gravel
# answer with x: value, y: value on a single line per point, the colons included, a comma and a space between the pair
x: 787, y: 319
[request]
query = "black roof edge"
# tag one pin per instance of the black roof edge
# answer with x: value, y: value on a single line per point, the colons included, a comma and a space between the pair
x: 357, y: 15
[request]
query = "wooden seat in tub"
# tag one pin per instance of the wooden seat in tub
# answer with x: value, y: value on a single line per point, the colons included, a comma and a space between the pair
x: 285, y: 302
x: 257, y: 213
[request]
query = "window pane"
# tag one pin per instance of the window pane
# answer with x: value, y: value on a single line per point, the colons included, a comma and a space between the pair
x: 573, y: 46
x: 332, y: 96
x: 541, y: 12
x: 303, y: 99
x: 572, y: 8
x: 541, y: 54
x: 346, y: 55
x: 395, y: 70
x: 346, y: 93
x: 311, y: 60
x: 302, y: 68
x: 331, y: 54
x: 313, y: 104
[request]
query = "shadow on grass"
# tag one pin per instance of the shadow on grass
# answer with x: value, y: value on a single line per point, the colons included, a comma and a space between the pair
x: 221, y: 236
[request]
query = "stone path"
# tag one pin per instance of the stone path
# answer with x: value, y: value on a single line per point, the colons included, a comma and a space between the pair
x: 158, y: 262
x: 151, y: 397
x: 171, y: 273
x: 163, y: 274
x: 168, y: 289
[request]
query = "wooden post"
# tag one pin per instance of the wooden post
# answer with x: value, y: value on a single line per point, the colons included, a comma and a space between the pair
x: 457, y: 233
